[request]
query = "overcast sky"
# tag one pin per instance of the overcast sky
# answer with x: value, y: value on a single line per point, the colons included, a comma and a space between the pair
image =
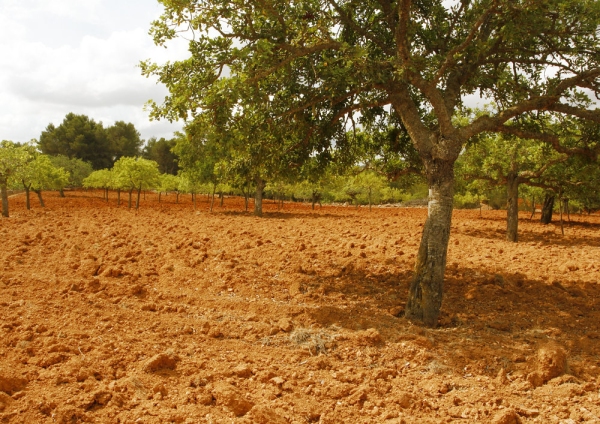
x: 81, y: 56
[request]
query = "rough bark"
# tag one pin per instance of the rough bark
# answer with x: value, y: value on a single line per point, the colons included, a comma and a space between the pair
x: 4, y: 194
x: 137, y: 201
x: 258, y: 196
x: 39, y: 195
x: 512, y: 210
x: 27, y: 200
x: 547, y: 208
x: 426, y: 289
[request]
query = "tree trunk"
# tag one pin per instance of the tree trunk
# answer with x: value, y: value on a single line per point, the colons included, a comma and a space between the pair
x: 370, y: 199
x: 61, y: 192
x: 512, y: 210
x: 118, y: 197
x: 194, y: 200
x: 246, y: 195
x: 212, y: 199
x: 560, y: 209
x: 221, y: 199
x: 566, y: 209
x: 137, y: 201
x: 130, y: 194
x: 27, y: 201
x: 4, y: 195
x: 426, y: 288
x: 39, y: 195
x: 547, y: 209
x: 159, y: 194
x: 532, y: 207
x: 258, y: 196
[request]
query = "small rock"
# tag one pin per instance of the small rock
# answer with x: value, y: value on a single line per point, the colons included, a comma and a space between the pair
x: 535, y: 378
x: 404, y: 399
x: 507, y: 416
x: 501, y: 378
x: 527, y: 412
x: 228, y: 396
x: 161, y: 361
x: 264, y: 415
x: 5, y: 401
x: 242, y: 371
x: 278, y: 381
x: 10, y: 385
x: 371, y: 336
x: 285, y: 325
x: 396, y: 311
x: 551, y: 361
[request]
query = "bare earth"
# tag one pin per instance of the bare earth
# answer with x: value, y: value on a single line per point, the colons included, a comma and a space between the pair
x: 176, y: 315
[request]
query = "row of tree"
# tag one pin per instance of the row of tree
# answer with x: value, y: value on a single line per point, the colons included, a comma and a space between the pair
x: 23, y: 167
x: 81, y: 137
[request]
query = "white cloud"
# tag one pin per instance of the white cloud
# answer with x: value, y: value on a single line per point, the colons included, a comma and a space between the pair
x: 78, y: 56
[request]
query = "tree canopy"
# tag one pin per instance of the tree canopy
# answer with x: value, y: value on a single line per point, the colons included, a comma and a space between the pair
x: 318, y: 68
x: 79, y: 136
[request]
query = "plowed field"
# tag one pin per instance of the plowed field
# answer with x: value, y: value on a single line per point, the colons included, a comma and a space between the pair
x: 171, y: 314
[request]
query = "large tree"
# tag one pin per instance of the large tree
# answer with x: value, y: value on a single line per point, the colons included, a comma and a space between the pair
x: 78, y: 136
x: 161, y: 151
x: 124, y: 140
x: 334, y: 61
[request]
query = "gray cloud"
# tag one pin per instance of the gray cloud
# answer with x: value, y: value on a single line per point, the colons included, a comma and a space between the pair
x: 72, y: 56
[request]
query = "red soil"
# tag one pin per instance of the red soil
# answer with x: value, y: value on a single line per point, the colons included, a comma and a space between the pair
x: 175, y: 315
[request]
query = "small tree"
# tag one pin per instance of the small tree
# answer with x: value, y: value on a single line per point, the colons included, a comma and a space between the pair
x: 103, y: 179
x: 78, y: 170
x: 136, y: 174
x: 12, y: 160
x: 168, y: 183
x: 40, y: 174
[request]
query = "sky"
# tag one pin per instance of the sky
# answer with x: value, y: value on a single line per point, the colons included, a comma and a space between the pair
x: 80, y: 56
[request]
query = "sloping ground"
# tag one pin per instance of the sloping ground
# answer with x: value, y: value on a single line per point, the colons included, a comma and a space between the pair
x: 176, y: 315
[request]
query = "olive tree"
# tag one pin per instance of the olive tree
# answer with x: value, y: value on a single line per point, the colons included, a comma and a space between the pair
x: 13, y: 158
x: 136, y: 174
x: 330, y: 62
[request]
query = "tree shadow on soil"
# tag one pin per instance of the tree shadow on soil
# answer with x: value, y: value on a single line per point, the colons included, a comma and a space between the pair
x: 550, y: 236
x: 488, y: 321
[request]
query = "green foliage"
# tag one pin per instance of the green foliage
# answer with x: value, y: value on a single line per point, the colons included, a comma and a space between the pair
x: 78, y: 170
x: 161, y: 151
x: 102, y: 178
x: 79, y: 136
x: 13, y: 159
x: 136, y: 173
x: 41, y: 174
x: 168, y: 183
x: 124, y: 140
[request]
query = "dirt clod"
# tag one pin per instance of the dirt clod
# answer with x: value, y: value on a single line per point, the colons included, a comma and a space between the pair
x: 188, y: 318
x: 228, y: 396
x: 161, y: 361
x: 551, y: 361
